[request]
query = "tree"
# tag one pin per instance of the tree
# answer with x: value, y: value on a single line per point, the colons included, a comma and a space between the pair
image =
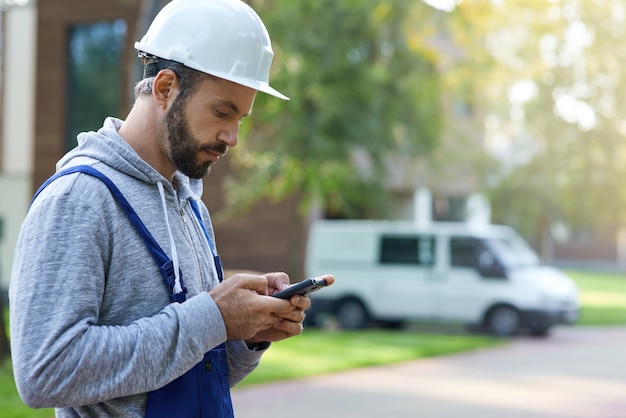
x: 552, y: 89
x: 360, y: 92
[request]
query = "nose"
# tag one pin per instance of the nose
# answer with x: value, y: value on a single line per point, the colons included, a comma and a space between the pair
x: 229, y: 135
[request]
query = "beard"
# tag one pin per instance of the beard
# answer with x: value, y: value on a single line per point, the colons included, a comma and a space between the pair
x: 184, y: 147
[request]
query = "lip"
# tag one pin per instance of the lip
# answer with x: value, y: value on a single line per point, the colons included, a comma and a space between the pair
x: 213, y: 156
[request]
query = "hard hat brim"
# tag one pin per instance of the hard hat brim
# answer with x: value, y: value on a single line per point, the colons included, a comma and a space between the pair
x: 253, y: 84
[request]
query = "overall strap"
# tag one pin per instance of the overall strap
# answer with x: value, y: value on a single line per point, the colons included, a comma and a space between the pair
x: 160, y: 257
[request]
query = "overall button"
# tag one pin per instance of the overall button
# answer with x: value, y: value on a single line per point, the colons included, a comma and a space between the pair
x: 208, y: 366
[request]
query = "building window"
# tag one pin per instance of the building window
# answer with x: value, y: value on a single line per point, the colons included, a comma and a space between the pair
x: 95, y: 75
x: 416, y: 250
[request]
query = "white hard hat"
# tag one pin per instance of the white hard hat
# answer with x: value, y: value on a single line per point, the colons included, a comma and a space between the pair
x: 224, y: 38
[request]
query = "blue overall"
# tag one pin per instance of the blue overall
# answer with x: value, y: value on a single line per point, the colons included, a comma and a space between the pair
x: 204, y: 391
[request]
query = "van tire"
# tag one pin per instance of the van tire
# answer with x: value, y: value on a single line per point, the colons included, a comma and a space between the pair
x: 504, y: 320
x: 351, y: 314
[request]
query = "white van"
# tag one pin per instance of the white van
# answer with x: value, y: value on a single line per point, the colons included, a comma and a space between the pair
x: 397, y: 271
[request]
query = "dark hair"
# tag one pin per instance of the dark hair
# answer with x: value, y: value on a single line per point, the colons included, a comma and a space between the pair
x: 188, y: 78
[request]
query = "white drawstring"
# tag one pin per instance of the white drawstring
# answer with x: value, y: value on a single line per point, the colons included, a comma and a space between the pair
x: 177, y: 287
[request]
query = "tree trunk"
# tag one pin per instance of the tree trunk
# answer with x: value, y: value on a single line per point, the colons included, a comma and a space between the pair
x: 547, y: 242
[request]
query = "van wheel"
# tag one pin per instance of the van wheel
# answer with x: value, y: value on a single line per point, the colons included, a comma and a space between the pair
x: 351, y: 314
x: 504, y: 321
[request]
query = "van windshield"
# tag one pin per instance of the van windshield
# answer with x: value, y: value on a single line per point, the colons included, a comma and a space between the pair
x: 512, y: 251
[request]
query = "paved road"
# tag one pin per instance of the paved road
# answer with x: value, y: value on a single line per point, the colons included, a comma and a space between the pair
x: 574, y: 373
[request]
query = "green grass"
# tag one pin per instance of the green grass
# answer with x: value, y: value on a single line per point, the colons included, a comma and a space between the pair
x: 318, y: 351
x: 602, y: 297
x: 11, y: 406
x: 603, y: 300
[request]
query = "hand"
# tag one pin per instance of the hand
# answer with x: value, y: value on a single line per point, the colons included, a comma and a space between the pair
x: 291, y: 323
x: 245, y: 307
x: 276, y: 282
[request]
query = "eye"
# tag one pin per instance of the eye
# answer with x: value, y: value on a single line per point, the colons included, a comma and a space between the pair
x: 221, y: 114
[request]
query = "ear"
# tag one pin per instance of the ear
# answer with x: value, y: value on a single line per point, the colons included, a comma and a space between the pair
x: 165, y: 88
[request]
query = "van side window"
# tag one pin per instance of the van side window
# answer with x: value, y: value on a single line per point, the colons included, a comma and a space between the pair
x: 412, y: 250
x: 463, y: 252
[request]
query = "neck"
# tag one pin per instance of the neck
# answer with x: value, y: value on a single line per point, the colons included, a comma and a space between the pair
x: 141, y: 131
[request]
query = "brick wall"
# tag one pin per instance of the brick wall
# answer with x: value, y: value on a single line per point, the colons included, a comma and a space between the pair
x: 54, y: 21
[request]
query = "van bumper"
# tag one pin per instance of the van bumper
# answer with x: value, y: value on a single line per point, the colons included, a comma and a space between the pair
x: 537, y: 319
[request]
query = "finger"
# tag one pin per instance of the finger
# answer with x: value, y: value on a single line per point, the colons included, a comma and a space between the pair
x: 300, y: 302
x: 277, y: 280
x: 328, y: 278
x: 290, y: 327
x: 294, y: 316
x: 273, y: 321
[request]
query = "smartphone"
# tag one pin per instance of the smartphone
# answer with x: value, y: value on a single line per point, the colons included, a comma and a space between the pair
x: 302, y: 288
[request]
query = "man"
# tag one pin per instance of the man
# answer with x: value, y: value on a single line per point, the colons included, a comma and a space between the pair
x: 117, y: 302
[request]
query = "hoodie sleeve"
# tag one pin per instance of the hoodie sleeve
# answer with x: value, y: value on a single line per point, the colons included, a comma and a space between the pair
x: 62, y: 356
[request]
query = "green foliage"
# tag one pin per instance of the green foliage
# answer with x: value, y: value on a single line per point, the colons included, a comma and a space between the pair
x: 359, y: 93
x: 565, y: 140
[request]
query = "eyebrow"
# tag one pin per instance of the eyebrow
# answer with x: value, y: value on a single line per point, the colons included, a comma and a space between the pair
x: 232, y: 106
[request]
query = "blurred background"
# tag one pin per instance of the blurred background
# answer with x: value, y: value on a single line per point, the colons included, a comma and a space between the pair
x: 484, y: 111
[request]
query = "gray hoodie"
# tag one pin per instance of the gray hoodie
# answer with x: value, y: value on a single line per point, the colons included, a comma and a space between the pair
x: 92, y: 328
